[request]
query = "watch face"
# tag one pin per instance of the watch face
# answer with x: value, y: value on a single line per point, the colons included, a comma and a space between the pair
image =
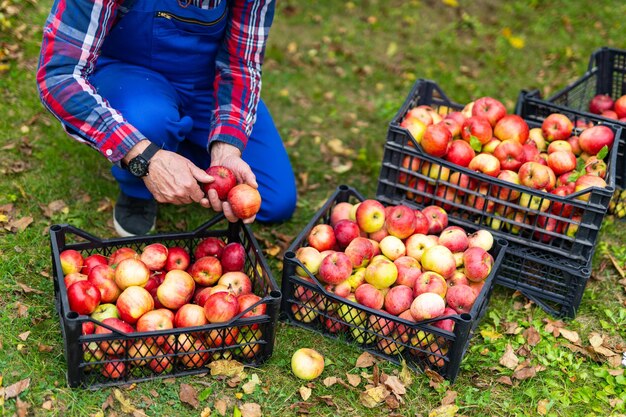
x: 138, y: 167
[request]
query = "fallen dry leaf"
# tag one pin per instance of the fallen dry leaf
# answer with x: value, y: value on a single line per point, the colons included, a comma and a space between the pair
x: 570, y: 335
x: 371, y: 397
x: 251, y: 385
x: 127, y: 407
x: 444, y: 411
x: 226, y: 367
x: 365, y: 360
x: 506, y: 380
x: 16, y: 389
x: 509, y: 359
x: 19, y: 225
x: 250, y: 410
x: 24, y: 336
x: 511, y: 327
x: 525, y: 373
x: 449, y: 398
x: 28, y: 289
x: 330, y: 381
x: 22, y: 309
x: 392, y: 402
x: 353, y: 379
x: 595, y: 339
x: 47, y: 405
x: 542, y: 409
x: 406, y: 373
x: 395, y: 385
x: 221, y: 406
x: 305, y: 392
x: 188, y: 395
x: 22, y: 407
x: 206, y: 412
x: 532, y: 336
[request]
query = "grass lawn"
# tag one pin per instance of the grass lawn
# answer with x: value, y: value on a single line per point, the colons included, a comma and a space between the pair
x: 334, y: 71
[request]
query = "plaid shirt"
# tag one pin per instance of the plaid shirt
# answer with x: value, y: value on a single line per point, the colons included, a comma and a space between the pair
x: 72, y: 37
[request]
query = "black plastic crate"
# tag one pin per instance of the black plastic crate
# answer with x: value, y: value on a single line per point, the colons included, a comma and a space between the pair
x: 552, y: 282
x: 606, y: 74
x: 410, y: 176
x: 249, y: 340
x: 421, y: 344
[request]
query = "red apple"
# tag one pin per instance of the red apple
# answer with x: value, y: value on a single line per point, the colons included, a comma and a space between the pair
x: 103, y: 277
x: 512, y: 127
x: 534, y: 175
x: 559, y: 145
x: 491, y: 109
x: 340, y: 211
x: 237, y: 282
x: 506, y: 193
x: 477, y: 263
x: 223, y: 181
x: 206, y: 270
x: 115, y: 346
x: 595, y: 166
x: 335, y: 268
x: 192, y: 351
x: 600, y: 103
x: 71, y: 261
x: 584, y: 182
x: 460, y: 153
x: 436, y: 140
x: 122, y: 253
x: 408, y: 270
x: 556, y: 126
x: 155, y: 320
x: 447, y: 324
x: 398, y: 299
x: 176, y: 289
x: 93, y: 260
x: 369, y: 296
x: 477, y: 127
x: 419, y: 191
x: 177, y: 258
x: 620, y: 107
x: 322, y: 237
x: 345, y: 231
x: 421, y: 221
x: 454, y: 238
x: 209, y: 246
x: 244, y: 200
x: 431, y: 282
x: 437, y: 219
x: 83, y: 297
x: 453, y: 126
x: 190, y: 315
x: 131, y: 272
x: 359, y: 252
x: 201, y: 294
x: 485, y: 163
x: 246, y: 301
x: 427, y: 306
x: 133, y: 303
x: 561, y: 162
x: 370, y: 216
x: 221, y: 307
x: 233, y: 257
x: 73, y: 277
x: 154, y: 256
x: 461, y: 298
x: 400, y: 221
x: 530, y: 153
x: 592, y: 140
x: 509, y: 153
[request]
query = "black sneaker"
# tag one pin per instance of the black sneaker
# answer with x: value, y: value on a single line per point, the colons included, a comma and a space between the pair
x: 134, y: 216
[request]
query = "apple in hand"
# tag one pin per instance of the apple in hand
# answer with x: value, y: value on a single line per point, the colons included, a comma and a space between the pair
x: 83, y: 296
x: 307, y: 364
x: 223, y: 181
x: 244, y: 200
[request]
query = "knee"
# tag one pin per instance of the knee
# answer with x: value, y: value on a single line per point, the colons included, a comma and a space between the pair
x: 278, y: 205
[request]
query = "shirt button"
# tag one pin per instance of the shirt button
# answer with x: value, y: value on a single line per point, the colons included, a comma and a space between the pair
x: 108, y: 152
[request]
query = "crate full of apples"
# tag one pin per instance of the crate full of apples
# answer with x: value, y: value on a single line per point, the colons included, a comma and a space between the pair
x: 399, y: 282
x: 164, y: 305
x: 538, y: 179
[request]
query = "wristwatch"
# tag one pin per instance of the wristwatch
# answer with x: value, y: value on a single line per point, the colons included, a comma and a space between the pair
x: 138, y: 166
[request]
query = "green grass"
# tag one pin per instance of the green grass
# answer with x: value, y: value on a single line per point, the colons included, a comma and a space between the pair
x: 334, y: 70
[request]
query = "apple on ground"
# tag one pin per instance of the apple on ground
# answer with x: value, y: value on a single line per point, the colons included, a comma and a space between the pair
x: 307, y: 364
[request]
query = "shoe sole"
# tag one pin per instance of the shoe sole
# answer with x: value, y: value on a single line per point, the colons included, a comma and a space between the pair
x: 122, y: 232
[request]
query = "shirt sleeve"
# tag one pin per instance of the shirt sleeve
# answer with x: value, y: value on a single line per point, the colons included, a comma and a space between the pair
x: 238, y: 75
x: 72, y: 37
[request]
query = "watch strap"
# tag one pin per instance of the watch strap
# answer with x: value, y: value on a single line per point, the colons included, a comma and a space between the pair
x: 149, y: 152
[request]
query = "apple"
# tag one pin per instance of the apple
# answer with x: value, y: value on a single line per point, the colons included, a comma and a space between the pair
x: 105, y: 311
x: 237, y: 282
x: 381, y: 325
x: 419, y: 191
x: 417, y: 243
x: 535, y: 137
x: 460, y: 153
x: 436, y: 172
x: 486, y: 163
x: 400, y: 221
x: 421, y: 222
x: 176, y: 289
x: 83, y: 296
x: 103, y: 277
x: 154, y: 256
x: 447, y: 324
x: 113, y: 368
x: 192, y: 352
x: 437, y: 219
x: 416, y: 129
x: 432, y: 282
x: 311, y: 258
x: 559, y: 145
x: 306, y: 312
x: 140, y: 352
x: 534, y: 202
x: 340, y: 211
x: 248, y: 339
x: 530, y: 153
x: 205, y: 271
x: 491, y: 146
x: 477, y: 263
x: 190, y: 315
x: 122, y: 253
x: 155, y: 320
x: 509, y: 152
x: 436, y: 140
x: 600, y: 103
x: 477, y: 127
x: 345, y: 231
x: 221, y: 337
x: 534, y: 175
x: 620, y: 107
x: 307, y: 364
x: 458, y: 278
x: 246, y: 301
x: 408, y: 270
x: 609, y: 114
x: 71, y: 261
x: 506, y: 193
x: 115, y: 346
x: 233, y: 257
x: 244, y: 200
x: 512, y: 127
x: 419, y: 113
x: 161, y: 363
x: 357, y: 278
x: 584, y: 182
x: 223, y: 181
x: 392, y: 247
x: 370, y: 215
x: 481, y: 238
x: 453, y: 126
x: 73, y: 277
x: 398, y: 299
x: 380, y: 234
x: 461, y: 298
x: 369, y: 296
x: 454, y: 238
x: 381, y: 274
x: 427, y: 306
x: 133, y: 303
x: 556, y: 126
x: 360, y: 251
x: 439, y: 259
x: 92, y: 260
x: 209, y: 246
x: 335, y: 268
x: 131, y: 272
x: 595, y: 166
x: 322, y: 237
x: 593, y: 139
x: 221, y: 307
x: 490, y: 108
x: 561, y: 161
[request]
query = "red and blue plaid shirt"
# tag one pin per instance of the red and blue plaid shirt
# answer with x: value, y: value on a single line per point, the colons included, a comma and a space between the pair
x: 70, y: 49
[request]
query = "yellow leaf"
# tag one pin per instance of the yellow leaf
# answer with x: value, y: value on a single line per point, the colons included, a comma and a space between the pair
x: 370, y: 398
x: 392, y: 48
x: 305, y: 392
x: 127, y: 407
x: 516, y: 42
x: 542, y: 409
x: 506, y: 32
x: 444, y: 411
x: 250, y: 386
x: 239, y: 395
x: 226, y: 367
x: 451, y: 3
x: 490, y: 334
x: 206, y: 412
x: 3, y: 218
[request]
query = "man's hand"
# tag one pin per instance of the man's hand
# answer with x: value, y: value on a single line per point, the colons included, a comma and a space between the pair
x: 230, y: 157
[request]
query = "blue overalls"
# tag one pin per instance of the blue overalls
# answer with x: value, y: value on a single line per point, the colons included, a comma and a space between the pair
x: 157, y: 69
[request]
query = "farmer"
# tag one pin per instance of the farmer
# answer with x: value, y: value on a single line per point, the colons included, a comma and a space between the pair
x: 164, y: 89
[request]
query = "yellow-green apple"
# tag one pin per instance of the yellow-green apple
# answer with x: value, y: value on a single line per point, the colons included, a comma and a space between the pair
x: 417, y: 243
x: 192, y: 352
x: 490, y: 108
x: 335, y: 268
x: 427, y: 306
x: 370, y: 216
x: 460, y: 153
x: 103, y: 277
x: 155, y: 320
x: 369, y: 296
x: 436, y: 172
x: 511, y: 127
x: 360, y: 250
x: 561, y: 162
x: 620, y: 107
x: 477, y: 263
x: 353, y: 211
x: 311, y: 258
x: 223, y: 180
x: 592, y: 140
x: 408, y: 270
x: 345, y: 232
x: 458, y: 278
x: 104, y: 311
x: 415, y: 127
x: 559, y: 145
x: 509, y: 153
x: 535, y: 135
x: 446, y: 324
x: 430, y: 281
x: 454, y: 238
x: 481, y: 238
x: 490, y: 146
x: 190, y: 315
x: 436, y: 140
x: 476, y: 127
x: 209, y: 246
x: 595, y: 166
x: 398, y: 299
x: 458, y: 258
x: 437, y: 219
x: 362, y: 336
x: 133, y: 303
x: 248, y: 339
x: 461, y: 298
x: 237, y: 282
x: 467, y: 110
x: 357, y: 278
x: 400, y: 221
x: 340, y: 211
x: 306, y: 313
x: 92, y: 353
x: 92, y: 260
x: 206, y: 271
x: 83, y: 296
x: 439, y: 259
x: 600, y: 103
x: 392, y: 247
x: 154, y: 256
x: 177, y: 258
x: 350, y: 314
x: 534, y: 202
x: 534, y: 175
x: 115, y: 346
x: 381, y: 274
x: 131, y: 272
x: 585, y: 182
x: 244, y: 200
x: 485, y: 163
x: 73, y: 277
x: 122, y: 253
x: 233, y: 257
x: 176, y: 289
x: 570, y: 227
x: 556, y: 126
x: 322, y: 237
x: 307, y: 364
x: 71, y: 261
x: 221, y: 307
